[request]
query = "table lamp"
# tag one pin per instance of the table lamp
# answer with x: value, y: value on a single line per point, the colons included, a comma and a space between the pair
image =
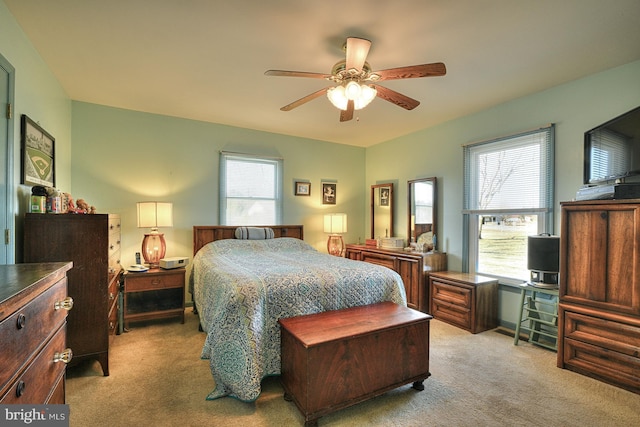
x: 335, y: 224
x: 153, y: 215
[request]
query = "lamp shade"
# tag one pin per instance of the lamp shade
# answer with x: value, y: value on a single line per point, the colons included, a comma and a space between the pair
x: 155, y: 214
x: 335, y: 223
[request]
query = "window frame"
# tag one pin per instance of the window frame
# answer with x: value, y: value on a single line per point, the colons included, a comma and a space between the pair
x: 472, y: 214
x: 251, y: 158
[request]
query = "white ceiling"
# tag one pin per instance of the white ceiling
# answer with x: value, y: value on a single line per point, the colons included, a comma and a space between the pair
x: 205, y: 59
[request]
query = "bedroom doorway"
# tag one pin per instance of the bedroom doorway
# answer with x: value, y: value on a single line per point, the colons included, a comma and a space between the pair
x: 7, y: 76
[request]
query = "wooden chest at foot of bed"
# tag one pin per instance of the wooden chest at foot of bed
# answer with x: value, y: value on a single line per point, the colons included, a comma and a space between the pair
x: 336, y: 359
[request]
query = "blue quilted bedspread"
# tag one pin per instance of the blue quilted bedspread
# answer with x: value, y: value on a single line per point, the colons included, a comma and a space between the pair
x: 242, y: 287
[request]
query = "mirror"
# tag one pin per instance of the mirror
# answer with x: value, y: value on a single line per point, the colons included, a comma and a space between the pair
x: 422, y: 211
x: 382, y: 210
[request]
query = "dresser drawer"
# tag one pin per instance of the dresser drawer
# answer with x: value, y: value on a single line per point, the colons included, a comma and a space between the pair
x: 34, y: 385
x: 453, y: 294
x: 604, y: 347
x: 380, y: 259
x: 24, y: 332
x: 144, y: 282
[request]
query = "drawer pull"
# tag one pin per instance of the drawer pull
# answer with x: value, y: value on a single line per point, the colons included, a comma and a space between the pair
x: 64, y: 356
x: 65, y: 304
x: 111, y: 296
x: 21, y: 321
x: 20, y: 388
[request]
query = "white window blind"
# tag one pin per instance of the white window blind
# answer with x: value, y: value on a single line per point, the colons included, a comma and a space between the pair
x: 508, y: 194
x: 250, y: 190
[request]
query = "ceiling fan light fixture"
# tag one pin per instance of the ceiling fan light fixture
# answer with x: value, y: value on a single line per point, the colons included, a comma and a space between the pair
x: 352, y: 90
x: 367, y: 94
x: 337, y: 97
x: 361, y: 95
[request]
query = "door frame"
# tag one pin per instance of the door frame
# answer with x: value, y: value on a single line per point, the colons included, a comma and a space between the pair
x: 7, y: 145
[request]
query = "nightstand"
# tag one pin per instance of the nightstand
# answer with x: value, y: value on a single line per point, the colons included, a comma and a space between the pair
x: 154, y: 294
x: 468, y: 301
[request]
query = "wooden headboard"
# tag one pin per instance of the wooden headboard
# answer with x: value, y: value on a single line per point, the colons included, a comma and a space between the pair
x: 203, y: 234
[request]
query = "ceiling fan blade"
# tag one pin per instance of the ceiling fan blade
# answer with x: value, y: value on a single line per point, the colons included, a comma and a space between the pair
x: 357, y: 51
x: 284, y: 73
x: 412, y: 71
x: 304, y: 100
x: 396, y: 98
x: 346, y: 115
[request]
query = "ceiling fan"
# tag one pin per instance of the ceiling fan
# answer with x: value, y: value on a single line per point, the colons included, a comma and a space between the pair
x: 356, y: 83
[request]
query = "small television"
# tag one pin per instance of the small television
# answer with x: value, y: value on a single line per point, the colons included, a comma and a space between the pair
x: 612, y: 150
x: 543, y: 258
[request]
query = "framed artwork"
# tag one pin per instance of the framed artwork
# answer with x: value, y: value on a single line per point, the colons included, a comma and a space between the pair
x: 38, y: 154
x: 328, y: 193
x: 303, y: 188
x: 384, y: 196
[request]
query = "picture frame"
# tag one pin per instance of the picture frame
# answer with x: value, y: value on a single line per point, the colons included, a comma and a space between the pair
x: 384, y: 196
x: 328, y: 193
x: 303, y: 188
x: 37, y: 154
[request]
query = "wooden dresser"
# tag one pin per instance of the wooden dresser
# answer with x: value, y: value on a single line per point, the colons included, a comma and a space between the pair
x: 92, y: 243
x: 413, y: 267
x: 468, y: 301
x: 33, y: 312
x: 599, y: 290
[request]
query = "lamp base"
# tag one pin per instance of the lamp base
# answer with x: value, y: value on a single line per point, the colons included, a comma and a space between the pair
x: 153, y: 249
x: 335, y: 245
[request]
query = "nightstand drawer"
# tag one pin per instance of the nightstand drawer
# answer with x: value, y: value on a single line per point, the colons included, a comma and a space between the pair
x: 451, y: 313
x: 451, y: 293
x: 137, y: 282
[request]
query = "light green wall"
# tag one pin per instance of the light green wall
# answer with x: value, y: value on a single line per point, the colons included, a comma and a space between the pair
x: 574, y: 107
x: 40, y: 96
x: 121, y: 157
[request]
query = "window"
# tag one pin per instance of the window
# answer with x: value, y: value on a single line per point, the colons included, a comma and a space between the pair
x: 250, y: 190
x: 508, y: 195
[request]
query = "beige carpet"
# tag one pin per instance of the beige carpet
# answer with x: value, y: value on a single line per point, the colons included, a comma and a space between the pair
x: 157, y: 378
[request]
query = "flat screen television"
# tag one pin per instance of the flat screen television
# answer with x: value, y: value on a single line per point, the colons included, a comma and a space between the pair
x: 612, y: 150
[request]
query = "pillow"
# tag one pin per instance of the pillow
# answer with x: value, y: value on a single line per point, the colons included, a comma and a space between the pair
x: 254, y: 233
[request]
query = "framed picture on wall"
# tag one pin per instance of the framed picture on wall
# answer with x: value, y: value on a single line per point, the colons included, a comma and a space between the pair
x: 303, y: 188
x: 328, y: 193
x: 384, y: 196
x: 37, y: 154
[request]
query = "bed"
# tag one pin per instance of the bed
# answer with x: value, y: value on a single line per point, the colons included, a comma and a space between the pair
x: 241, y: 287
